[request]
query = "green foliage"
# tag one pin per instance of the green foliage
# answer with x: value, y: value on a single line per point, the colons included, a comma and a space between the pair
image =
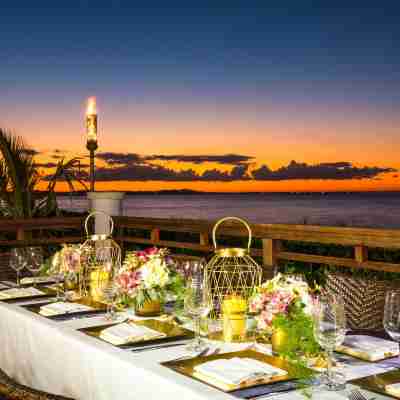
x: 300, y: 333
x: 19, y: 177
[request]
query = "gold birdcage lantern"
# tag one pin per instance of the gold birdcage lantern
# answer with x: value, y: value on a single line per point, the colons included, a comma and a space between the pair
x: 231, y: 276
x: 100, y: 260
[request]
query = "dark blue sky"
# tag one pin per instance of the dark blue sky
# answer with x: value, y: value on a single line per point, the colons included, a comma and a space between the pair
x: 350, y: 50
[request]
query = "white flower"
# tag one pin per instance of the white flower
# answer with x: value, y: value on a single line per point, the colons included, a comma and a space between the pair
x: 154, y: 273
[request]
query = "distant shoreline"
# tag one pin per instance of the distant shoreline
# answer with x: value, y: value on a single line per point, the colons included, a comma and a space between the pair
x: 195, y: 192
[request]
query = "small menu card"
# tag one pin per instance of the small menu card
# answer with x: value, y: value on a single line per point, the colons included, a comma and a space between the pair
x: 16, y: 293
x: 234, y: 371
x: 393, y: 389
x: 368, y: 348
x: 129, y: 333
x: 37, y: 279
x: 61, y: 308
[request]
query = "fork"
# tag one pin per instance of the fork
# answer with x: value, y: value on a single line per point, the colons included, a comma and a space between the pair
x: 357, y: 395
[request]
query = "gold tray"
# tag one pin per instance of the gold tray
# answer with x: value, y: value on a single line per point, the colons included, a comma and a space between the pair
x: 186, y: 367
x: 170, y: 329
x: 98, y: 308
x: 47, y: 292
x: 377, y: 383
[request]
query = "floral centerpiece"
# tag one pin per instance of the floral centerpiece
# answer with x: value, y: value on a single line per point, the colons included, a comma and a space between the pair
x: 283, y: 308
x: 146, y: 278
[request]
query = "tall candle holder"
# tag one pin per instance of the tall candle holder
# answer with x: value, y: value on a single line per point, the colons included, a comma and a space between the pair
x: 91, y: 134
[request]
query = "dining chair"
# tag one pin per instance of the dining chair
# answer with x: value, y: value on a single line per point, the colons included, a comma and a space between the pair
x: 11, y: 390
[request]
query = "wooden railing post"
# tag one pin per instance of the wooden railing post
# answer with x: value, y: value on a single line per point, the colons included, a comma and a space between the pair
x: 20, y: 234
x: 361, y: 253
x: 204, y: 239
x: 271, y: 249
x: 155, y: 235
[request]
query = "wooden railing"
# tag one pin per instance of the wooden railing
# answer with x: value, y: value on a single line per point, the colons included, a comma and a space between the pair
x: 271, y: 237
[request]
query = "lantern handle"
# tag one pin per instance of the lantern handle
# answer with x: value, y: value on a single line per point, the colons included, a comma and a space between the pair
x: 99, y: 213
x: 214, y: 231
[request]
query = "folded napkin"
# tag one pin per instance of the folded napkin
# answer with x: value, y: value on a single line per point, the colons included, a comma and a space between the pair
x: 235, y: 371
x: 16, y: 293
x: 37, y: 279
x: 129, y: 333
x: 61, y: 308
x: 368, y: 348
x: 393, y: 389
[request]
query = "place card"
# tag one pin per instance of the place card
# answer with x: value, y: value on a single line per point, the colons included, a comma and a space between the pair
x: 368, y: 348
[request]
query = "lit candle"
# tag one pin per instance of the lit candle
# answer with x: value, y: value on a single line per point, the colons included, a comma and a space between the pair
x: 234, y: 317
x: 98, y: 279
x: 91, y: 120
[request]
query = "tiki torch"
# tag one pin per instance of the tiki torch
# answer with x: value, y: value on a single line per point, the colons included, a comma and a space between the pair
x: 91, y: 135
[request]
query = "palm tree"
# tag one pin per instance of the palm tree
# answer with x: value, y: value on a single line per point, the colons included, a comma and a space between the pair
x: 19, y: 177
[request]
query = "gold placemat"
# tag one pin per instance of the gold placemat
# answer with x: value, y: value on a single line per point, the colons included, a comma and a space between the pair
x: 171, y: 331
x: 187, y: 368
x: 378, y: 383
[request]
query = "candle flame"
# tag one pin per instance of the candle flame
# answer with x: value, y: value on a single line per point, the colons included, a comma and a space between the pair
x: 91, y: 106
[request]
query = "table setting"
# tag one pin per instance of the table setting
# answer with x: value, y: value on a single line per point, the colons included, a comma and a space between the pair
x: 198, y: 329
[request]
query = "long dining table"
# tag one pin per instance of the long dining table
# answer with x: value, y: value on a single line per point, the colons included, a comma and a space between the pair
x: 56, y: 357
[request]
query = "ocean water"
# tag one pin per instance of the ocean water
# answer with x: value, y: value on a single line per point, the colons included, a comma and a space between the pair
x: 381, y: 210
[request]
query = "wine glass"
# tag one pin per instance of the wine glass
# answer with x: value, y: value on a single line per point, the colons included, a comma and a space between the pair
x: 18, y: 261
x: 329, y: 332
x: 197, y: 304
x: 34, y: 258
x: 110, y: 293
x: 391, y: 316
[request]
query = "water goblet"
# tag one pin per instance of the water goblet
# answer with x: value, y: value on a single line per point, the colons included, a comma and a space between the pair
x: 197, y: 305
x: 18, y: 261
x: 34, y: 263
x: 391, y: 316
x: 110, y: 293
x: 329, y: 332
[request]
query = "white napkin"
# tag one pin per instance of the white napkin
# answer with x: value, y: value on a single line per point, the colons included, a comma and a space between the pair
x: 236, y: 370
x: 129, y: 333
x: 15, y: 293
x: 393, y: 389
x: 61, y: 307
x: 369, y: 347
x: 37, y: 279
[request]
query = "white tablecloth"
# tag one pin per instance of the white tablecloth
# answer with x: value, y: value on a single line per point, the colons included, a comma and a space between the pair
x: 54, y: 357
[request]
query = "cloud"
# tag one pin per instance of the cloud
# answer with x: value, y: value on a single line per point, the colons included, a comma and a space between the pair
x: 199, y: 159
x: 45, y: 165
x: 336, y: 171
x: 119, y: 158
x: 133, y: 167
x: 31, y: 152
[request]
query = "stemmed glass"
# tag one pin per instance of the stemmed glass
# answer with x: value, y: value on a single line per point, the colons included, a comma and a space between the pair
x: 391, y: 316
x: 34, y: 257
x: 18, y: 261
x: 110, y: 293
x: 197, y: 304
x: 329, y: 332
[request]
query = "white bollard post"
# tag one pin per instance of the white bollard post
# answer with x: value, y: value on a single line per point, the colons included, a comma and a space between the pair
x: 107, y: 202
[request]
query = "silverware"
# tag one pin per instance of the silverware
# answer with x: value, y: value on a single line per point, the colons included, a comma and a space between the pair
x: 188, y: 356
x: 357, y: 395
x: 156, y: 347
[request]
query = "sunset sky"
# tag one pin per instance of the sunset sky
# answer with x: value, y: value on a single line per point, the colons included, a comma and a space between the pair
x: 217, y: 96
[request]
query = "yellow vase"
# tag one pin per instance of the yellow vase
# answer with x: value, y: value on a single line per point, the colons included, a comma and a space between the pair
x: 150, y: 308
x: 279, y: 340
